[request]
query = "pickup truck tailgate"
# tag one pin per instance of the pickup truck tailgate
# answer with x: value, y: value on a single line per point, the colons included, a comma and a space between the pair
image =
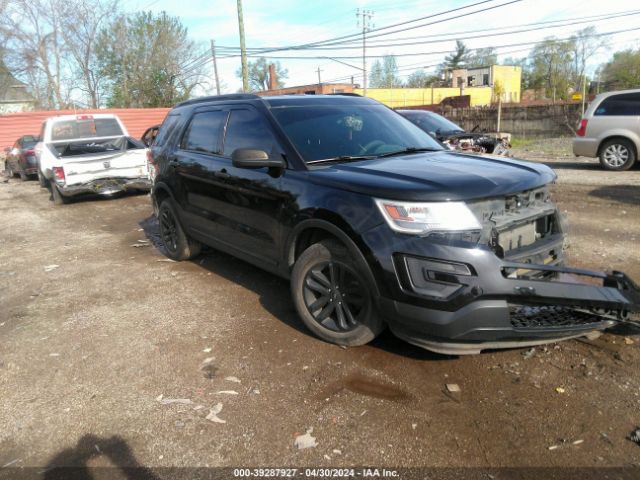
x: 123, y: 164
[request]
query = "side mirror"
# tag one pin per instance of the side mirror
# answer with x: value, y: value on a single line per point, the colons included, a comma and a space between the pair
x: 250, y: 158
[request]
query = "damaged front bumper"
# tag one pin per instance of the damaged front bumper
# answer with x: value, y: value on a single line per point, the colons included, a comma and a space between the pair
x: 106, y: 186
x: 514, y: 312
x: 456, y: 300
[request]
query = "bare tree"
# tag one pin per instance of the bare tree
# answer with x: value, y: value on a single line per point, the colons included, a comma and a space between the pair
x: 81, y: 22
x: 35, y: 51
x: 584, y: 44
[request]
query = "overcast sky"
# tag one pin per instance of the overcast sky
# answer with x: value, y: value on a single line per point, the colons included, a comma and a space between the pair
x: 295, y: 22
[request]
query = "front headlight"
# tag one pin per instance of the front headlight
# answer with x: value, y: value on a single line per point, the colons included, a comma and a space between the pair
x: 426, y: 217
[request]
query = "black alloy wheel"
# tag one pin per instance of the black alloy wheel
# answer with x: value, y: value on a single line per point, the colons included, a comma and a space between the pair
x: 334, y: 296
x: 333, y: 293
x: 168, y: 230
x: 178, y: 245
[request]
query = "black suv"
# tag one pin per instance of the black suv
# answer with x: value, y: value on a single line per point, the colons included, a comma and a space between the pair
x: 375, y: 224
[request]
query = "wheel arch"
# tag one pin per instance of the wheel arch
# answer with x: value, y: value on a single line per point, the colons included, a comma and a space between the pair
x: 326, y: 225
x: 620, y: 136
x: 160, y: 192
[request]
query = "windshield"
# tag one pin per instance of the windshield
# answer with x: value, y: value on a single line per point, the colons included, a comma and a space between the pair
x: 432, y: 122
x: 85, y: 128
x: 323, y: 132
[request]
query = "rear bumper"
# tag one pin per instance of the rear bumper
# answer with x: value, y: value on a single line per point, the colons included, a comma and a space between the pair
x: 106, y: 186
x: 585, y: 147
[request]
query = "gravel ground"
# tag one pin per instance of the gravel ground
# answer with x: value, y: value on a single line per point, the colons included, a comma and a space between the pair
x: 101, y: 334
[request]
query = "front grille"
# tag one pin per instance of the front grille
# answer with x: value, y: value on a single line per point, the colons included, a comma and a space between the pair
x: 550, y: 316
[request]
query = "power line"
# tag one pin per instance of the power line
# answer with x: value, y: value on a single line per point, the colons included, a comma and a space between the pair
x: 430, y: 53
x: 387, y: 45
x: 351, y: 36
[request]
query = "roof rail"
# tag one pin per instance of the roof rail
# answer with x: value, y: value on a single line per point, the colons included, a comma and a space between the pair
x: 346, y: 94
x: 232, y: 96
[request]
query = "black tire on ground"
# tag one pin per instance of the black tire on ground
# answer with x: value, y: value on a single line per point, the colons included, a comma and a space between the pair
x: 10, y: 172
x: 24, y: 177
x: 617, y: 154
x: 333, y: 295
x: 178, y: 245
x: 56, y: 196
x: 41, y: 180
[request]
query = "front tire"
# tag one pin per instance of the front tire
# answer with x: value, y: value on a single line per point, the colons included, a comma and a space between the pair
x: 333, y: 296
x: 617, y: 154
x: 178, y: 245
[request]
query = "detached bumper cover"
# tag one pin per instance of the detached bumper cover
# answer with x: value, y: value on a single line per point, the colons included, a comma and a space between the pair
x: 518, y: 312
x: 455, y: 299
x: 106, y: 186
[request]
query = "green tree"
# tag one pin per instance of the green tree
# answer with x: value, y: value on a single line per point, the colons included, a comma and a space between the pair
x: 420, y: 79
x: 482, y: 57
x: 458, y: 58
x: 148, y: 60
x: 385, y: 74
x: 623, y: 70
x: 552, y: 67
x: 259, y: 75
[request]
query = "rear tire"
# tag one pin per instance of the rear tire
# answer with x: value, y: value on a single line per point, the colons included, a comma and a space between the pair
x: 24, y: 177
x: 617, y: 154
x: 57, y: 197
x: 178, y: 245
x: 333, y: 297
x: 41, y: 180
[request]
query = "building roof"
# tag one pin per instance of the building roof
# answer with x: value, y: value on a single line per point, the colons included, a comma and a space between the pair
x: 12, y: 90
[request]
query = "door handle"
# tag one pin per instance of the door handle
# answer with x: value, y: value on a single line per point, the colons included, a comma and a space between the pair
x: 221, y: 174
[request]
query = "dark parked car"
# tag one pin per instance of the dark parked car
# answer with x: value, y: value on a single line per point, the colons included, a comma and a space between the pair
x: 21, y: 158
x: 375, y: 224
x: 454, y: 136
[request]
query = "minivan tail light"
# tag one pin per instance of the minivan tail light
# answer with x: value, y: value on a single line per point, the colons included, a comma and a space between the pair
x: 582, y: 128
x: 58, y: 172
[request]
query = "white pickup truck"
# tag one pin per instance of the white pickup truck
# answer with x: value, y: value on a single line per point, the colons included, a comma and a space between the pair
x: 89, y: 154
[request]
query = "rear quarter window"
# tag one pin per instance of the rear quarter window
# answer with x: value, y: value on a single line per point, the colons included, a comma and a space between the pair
x: 626, y: 104
x: 168, y: 127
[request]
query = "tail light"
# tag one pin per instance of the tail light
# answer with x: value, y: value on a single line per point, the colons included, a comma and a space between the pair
x: 58, y: 172
x: 30, y: 152
x: 150, y: 157
x: 582, y: 128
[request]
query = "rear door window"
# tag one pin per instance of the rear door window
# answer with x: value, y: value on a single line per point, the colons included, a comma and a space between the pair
x: 204, y: 132
x: 625, y: 104
x: 247, y: 129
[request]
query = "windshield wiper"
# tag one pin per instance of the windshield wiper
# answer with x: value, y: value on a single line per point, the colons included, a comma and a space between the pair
x: 408, y: 150
x: 342, y: 158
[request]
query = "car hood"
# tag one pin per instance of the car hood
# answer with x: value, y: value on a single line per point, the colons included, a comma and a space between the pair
x: 434, y: 176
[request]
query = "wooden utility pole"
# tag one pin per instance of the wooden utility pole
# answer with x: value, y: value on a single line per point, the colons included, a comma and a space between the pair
x: 364, y: 17
x: 584, y: 91
x: 215, y: 66
x: 243, y: 50
x: 319, y: 81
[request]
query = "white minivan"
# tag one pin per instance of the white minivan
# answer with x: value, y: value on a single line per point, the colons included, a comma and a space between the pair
x: 610, y: 130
